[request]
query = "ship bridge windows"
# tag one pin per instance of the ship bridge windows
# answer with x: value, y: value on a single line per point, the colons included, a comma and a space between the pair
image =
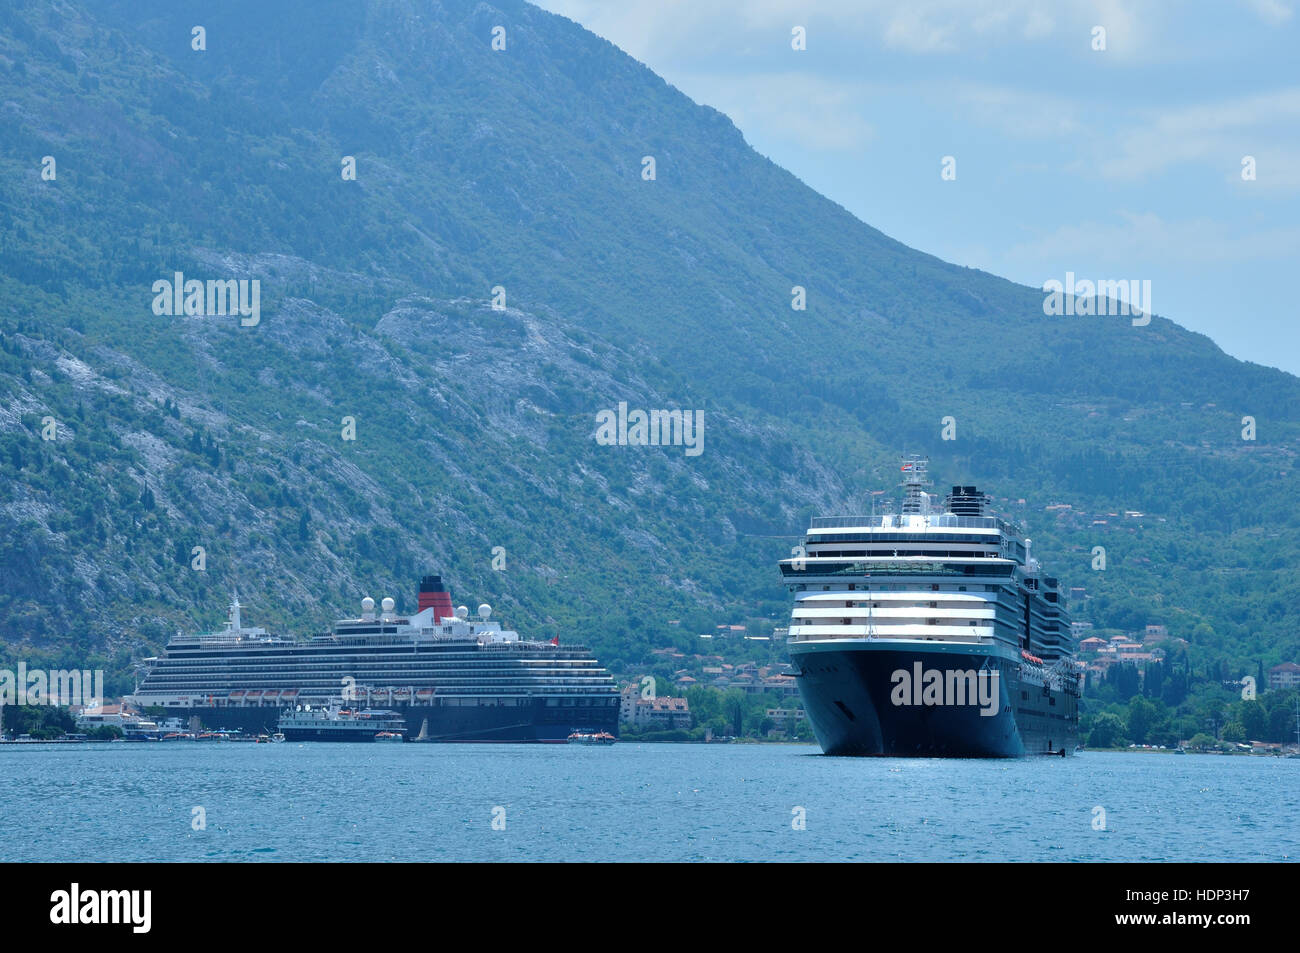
x: 932, y: 553
x: 986, y: 539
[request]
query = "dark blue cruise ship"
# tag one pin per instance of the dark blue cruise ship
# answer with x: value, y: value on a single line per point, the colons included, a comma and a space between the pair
x: 930, y: 632
x: 452, y: 678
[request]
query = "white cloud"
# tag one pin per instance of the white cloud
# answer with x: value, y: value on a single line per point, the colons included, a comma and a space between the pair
x: 1139, y: 144
x: 664, y: 30
x: 1271, y: 11
x: 1220, y: 132
x: 1144, y: 239
x: 1018, y: 113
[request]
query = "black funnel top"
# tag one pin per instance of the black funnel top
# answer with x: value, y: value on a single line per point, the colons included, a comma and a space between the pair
x: 967, y: 501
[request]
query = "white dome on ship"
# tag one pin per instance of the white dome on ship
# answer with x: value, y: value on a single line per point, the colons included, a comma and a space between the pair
x: 484, y: 611
x: 388, y: 604
x: 462, y: 612
x: 367, y: 604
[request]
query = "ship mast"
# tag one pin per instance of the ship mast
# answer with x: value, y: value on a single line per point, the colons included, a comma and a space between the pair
x: 916, y: 478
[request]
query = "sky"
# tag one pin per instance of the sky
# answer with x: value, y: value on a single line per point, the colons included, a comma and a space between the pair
x: 1127, y: 162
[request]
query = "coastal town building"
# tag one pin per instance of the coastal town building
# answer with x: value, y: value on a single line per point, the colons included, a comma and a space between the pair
x: 119, y: 716
x: 1284, y: 676
x: 659, y: 712
x: 786, y: 715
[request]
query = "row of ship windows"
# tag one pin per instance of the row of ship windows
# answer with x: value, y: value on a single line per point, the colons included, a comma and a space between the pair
x: 887, y: 612
x: 897, y: 538
x: 1024, y: 696
x: 486, y: 703
x: 900, y: 623
x: 875, y: 600
x: 210, y: 687
x: 357, y: 671
x: 354, y: 659
x: 1031, y: 713
x: 253, y: 653
x: 264, y: 677
x: 1048, y: 619
x: 219, y: 700
x: 376, y: 678
x: 941, y: 553
x: 791, y: 567
x: 901, y: 587
x: 1042, y: 632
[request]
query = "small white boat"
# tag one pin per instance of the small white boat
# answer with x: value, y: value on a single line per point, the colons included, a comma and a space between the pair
x: 591, y: 738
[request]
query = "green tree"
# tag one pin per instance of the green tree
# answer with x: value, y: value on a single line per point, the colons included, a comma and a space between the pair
x: 1107, y: 731
x: 1141, y: 717
x: 1254, y: 719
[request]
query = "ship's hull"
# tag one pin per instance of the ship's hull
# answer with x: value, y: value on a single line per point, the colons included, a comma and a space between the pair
x: 858, y: 704
x: 534, y: 722
x: 348, y: 735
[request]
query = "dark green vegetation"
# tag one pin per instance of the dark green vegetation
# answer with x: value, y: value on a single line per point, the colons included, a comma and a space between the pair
x: 41, y: 722
x: 729, y: 714
x: 46, y: 723
x: 1176, y: 701
x: 474, y: 427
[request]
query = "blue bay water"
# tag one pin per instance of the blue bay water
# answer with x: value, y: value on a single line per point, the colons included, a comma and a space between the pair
x: 632, y: 802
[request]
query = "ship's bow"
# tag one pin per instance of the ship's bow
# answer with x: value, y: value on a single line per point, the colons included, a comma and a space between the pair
x: 865, y: 698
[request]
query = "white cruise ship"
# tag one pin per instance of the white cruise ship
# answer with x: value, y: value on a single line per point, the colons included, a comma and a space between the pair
x: 930, y: 632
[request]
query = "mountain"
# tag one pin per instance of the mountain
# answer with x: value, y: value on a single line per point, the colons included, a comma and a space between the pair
x: 475, y: 425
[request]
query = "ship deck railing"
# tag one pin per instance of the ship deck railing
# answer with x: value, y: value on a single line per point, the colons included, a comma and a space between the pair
x: 891, y: 521
x: 877, y: 637
x: 223, y: 639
